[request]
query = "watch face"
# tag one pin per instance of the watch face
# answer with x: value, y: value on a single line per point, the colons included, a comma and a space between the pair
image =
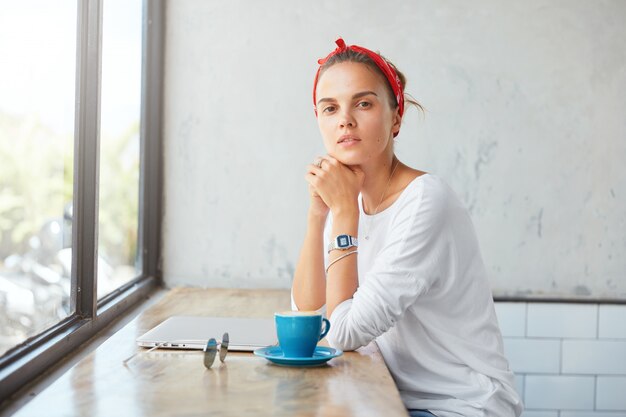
x: 342, y: 241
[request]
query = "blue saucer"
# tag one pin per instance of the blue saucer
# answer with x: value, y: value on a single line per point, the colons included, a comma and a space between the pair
x: 275, y: 354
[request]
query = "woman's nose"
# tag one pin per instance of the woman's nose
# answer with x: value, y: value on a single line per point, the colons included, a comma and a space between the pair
x: 346, y: 120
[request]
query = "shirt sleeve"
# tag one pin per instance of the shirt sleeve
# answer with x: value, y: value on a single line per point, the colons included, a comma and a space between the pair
x: 409, y: 264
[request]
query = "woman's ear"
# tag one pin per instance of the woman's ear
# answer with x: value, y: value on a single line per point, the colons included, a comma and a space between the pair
x: 397, y: 121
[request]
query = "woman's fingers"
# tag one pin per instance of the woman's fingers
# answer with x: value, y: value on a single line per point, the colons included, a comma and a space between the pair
x: 333, y: 162
x: 330, y: 159
x: 314, y: 170
x: 312, y: 179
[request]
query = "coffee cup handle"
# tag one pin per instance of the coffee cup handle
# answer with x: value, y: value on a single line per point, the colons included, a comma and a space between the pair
x: 326, y: 328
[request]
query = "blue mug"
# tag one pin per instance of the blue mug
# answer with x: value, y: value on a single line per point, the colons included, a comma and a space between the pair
x: 299, y: 331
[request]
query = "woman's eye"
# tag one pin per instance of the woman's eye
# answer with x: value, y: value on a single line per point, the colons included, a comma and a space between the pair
x: 364, y: 104
x: 329, y: 109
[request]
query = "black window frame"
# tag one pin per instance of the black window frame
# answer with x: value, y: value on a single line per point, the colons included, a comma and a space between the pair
x: 25, y: 362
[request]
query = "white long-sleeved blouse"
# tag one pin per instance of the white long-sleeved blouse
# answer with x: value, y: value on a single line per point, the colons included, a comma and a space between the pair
x: 423, y: 296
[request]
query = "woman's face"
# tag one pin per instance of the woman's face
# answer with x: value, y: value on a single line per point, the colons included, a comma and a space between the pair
x: 354, y: 114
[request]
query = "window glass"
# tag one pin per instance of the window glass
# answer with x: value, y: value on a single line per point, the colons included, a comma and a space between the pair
x: 119, y: 144
x: 37, y: 84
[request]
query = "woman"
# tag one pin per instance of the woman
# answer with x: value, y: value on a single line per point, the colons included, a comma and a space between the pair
x: 391, y: 254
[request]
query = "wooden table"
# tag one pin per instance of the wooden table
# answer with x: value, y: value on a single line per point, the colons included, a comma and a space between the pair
x: 175, y: 383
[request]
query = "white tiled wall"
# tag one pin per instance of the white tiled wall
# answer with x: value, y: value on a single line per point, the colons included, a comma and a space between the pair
x: 569, y: 359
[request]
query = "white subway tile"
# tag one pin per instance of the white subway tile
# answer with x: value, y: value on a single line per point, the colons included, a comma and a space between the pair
x: 592, y: 414
x: 533, y: 355
x: 612, y: 321
x: 559, y: 392
x: 512, y: 318
x: 536, y: 413
x: 594, y: 357
x: 562, y: 320
x: 611, y: 393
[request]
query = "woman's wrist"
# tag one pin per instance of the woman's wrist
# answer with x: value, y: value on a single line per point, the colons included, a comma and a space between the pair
x: 315, y: 218
x: 345, y: 222
x: 345, y: 211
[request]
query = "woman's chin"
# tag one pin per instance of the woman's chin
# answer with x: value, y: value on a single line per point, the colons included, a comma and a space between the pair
x: 349, y: 160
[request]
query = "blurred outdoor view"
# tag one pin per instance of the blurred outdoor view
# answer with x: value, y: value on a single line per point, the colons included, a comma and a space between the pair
x: 37, y: 107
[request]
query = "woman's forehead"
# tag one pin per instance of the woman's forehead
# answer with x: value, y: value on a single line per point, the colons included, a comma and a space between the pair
x: 349, y: 78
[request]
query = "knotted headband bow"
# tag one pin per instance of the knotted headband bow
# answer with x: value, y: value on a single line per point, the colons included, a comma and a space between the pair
x: 390, y: 73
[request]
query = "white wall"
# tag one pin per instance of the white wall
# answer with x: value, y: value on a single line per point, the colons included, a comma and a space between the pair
x: 526, y: 121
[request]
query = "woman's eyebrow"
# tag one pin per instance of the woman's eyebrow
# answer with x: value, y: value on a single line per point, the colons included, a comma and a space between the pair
x: 363, y: 94
x: 325, y: 99
x: 354, y: 97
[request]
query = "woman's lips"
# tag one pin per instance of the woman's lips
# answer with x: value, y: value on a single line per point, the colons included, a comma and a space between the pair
x: 348, y: 140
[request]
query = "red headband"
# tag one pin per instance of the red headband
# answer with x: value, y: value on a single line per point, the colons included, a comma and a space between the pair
x: 390, y: 73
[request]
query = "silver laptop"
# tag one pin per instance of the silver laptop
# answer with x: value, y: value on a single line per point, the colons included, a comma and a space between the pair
x: 193, y: 332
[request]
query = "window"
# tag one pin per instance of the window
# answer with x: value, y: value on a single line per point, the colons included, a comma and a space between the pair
x: 36, y: 150
x: 80, y: 175
x: 119, y: 144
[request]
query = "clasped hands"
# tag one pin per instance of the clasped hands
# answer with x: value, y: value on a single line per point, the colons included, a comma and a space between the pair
x: 333, y: 186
